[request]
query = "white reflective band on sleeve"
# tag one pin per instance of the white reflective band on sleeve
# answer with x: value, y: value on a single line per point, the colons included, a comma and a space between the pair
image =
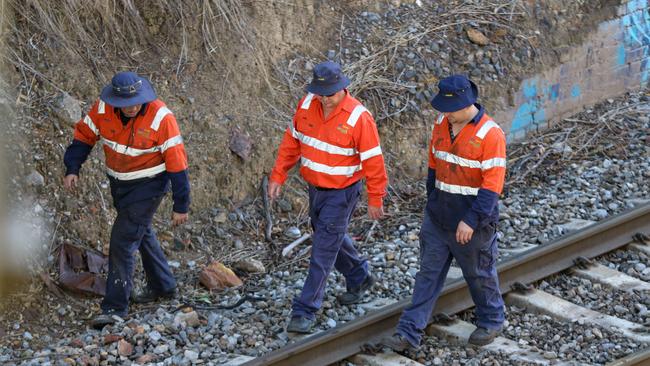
x: 126, y: 150
x: 307, y: 101
x: 486, y: 128
x: 455, y: 159
x: 101, y: 108
x: 331, y: 170
x: 144, y: 173
x: 176, y: 140
x: 91, y: 125
x: 440, y: 118
x: 452, y: 188
x: 322, y: 145
x: 492, y: 163
x: 356, y: 113
x: 433, y: 150
x: 365, y: 155
x: 160, y: 114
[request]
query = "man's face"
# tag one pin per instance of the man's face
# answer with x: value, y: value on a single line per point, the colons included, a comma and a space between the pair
x: 458, y: 116
x: 131, y: 111
x: 333, y: 100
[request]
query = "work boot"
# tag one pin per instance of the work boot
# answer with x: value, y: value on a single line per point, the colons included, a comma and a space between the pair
x: 300, y: 324
x: 482, y: 336
x: 354, y: 295
x: 149, y: 295
x: 396, y: 342
x: 100, y: 321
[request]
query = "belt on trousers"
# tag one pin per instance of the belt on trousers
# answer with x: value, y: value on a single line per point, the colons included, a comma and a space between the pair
x: 333, y: 189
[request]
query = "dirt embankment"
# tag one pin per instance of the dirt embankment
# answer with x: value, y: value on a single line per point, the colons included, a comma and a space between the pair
x: 232, y: 70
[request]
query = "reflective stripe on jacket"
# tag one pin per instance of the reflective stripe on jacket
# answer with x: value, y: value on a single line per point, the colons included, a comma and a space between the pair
x: 469, y: 172
x: 146, y: 146
x: 334, y: 152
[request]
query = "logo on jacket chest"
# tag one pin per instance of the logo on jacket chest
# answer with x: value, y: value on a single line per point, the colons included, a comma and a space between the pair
x: 343, y: 128
x: 475, y: 141
x: 143, y: 132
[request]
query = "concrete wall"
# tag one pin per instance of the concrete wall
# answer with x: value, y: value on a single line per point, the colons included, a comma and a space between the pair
x: 611, y: 61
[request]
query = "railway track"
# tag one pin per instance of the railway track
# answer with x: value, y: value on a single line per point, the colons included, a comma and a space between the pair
x: 572, y: 251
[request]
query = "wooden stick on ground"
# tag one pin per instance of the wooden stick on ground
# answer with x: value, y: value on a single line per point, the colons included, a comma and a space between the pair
x: 289, y: 248
x: 267, y: 209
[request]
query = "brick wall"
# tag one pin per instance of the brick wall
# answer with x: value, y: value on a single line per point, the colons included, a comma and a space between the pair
x: 611, y: 61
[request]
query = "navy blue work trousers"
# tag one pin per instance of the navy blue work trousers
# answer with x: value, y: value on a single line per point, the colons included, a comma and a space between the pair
x: 477, y: 261
x: 132, y: 231
x: 330, y: 212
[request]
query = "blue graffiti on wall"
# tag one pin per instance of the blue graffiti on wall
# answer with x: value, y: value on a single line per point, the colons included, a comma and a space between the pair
x: 635, y: 45
x: 531, y: 110
x: 575, y: 91
x: 636, y: 27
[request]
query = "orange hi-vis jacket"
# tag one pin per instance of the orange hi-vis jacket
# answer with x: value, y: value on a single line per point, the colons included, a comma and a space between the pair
x: 146, y: 146
x: 334, y: 152
x: 469, y: 172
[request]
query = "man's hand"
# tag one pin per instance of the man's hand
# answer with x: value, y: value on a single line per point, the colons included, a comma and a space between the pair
x: 70, y: 181
x: 179, y: 218
x: 375, y: 213
x: 274, y: 190
x: 464, y: 233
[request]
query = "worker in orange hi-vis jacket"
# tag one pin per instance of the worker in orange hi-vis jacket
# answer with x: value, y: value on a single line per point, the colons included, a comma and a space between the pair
x: 144, y: 152
x: 336, y: 141
x: 467, y: 168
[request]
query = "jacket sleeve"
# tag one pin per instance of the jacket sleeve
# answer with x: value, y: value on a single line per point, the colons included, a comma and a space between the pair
x: 86, y: 134
x: 288, y: 153
x: 75, y: 155
x: 372, y: 160
x: 172, y: 148
x: 431, y: 174
x: 493, y: 167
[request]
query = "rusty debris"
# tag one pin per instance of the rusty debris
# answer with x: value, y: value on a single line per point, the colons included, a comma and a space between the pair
x: 82, y: 270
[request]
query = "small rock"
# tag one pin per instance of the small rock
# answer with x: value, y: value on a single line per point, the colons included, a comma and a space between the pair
x: 600, y: 213
x: 190, y: 319
x: 159, y: 350
x: 124, y: 348
x: 620, y: 309
x: 292, y: 232
x: 28, y: 336
x: 218, y: 276
x: 576, y: 224
x: 111, y: 338
x: 250, y: 265
x: 145, y: 359
x: 641, y: 309
x: 67, y: 108
x: 477, y: 37
x: 550, y: 355
x: 331, y: 323
x: 241, y: 144
x: 154, y: 336
x: 191, y: 355
x: 597, y: 333
x: 35, y: 179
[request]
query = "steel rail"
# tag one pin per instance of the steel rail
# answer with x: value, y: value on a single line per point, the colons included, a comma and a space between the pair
x: 639, y: 358
x: 535, y: 264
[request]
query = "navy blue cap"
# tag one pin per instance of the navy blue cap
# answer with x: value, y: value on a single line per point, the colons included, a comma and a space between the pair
x: 328, y: 79
x: 456, y: 92
x: 128, y: 89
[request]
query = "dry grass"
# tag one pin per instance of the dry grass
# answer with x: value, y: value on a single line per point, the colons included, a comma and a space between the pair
x: 110, y: 35
x: 373, y: 76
